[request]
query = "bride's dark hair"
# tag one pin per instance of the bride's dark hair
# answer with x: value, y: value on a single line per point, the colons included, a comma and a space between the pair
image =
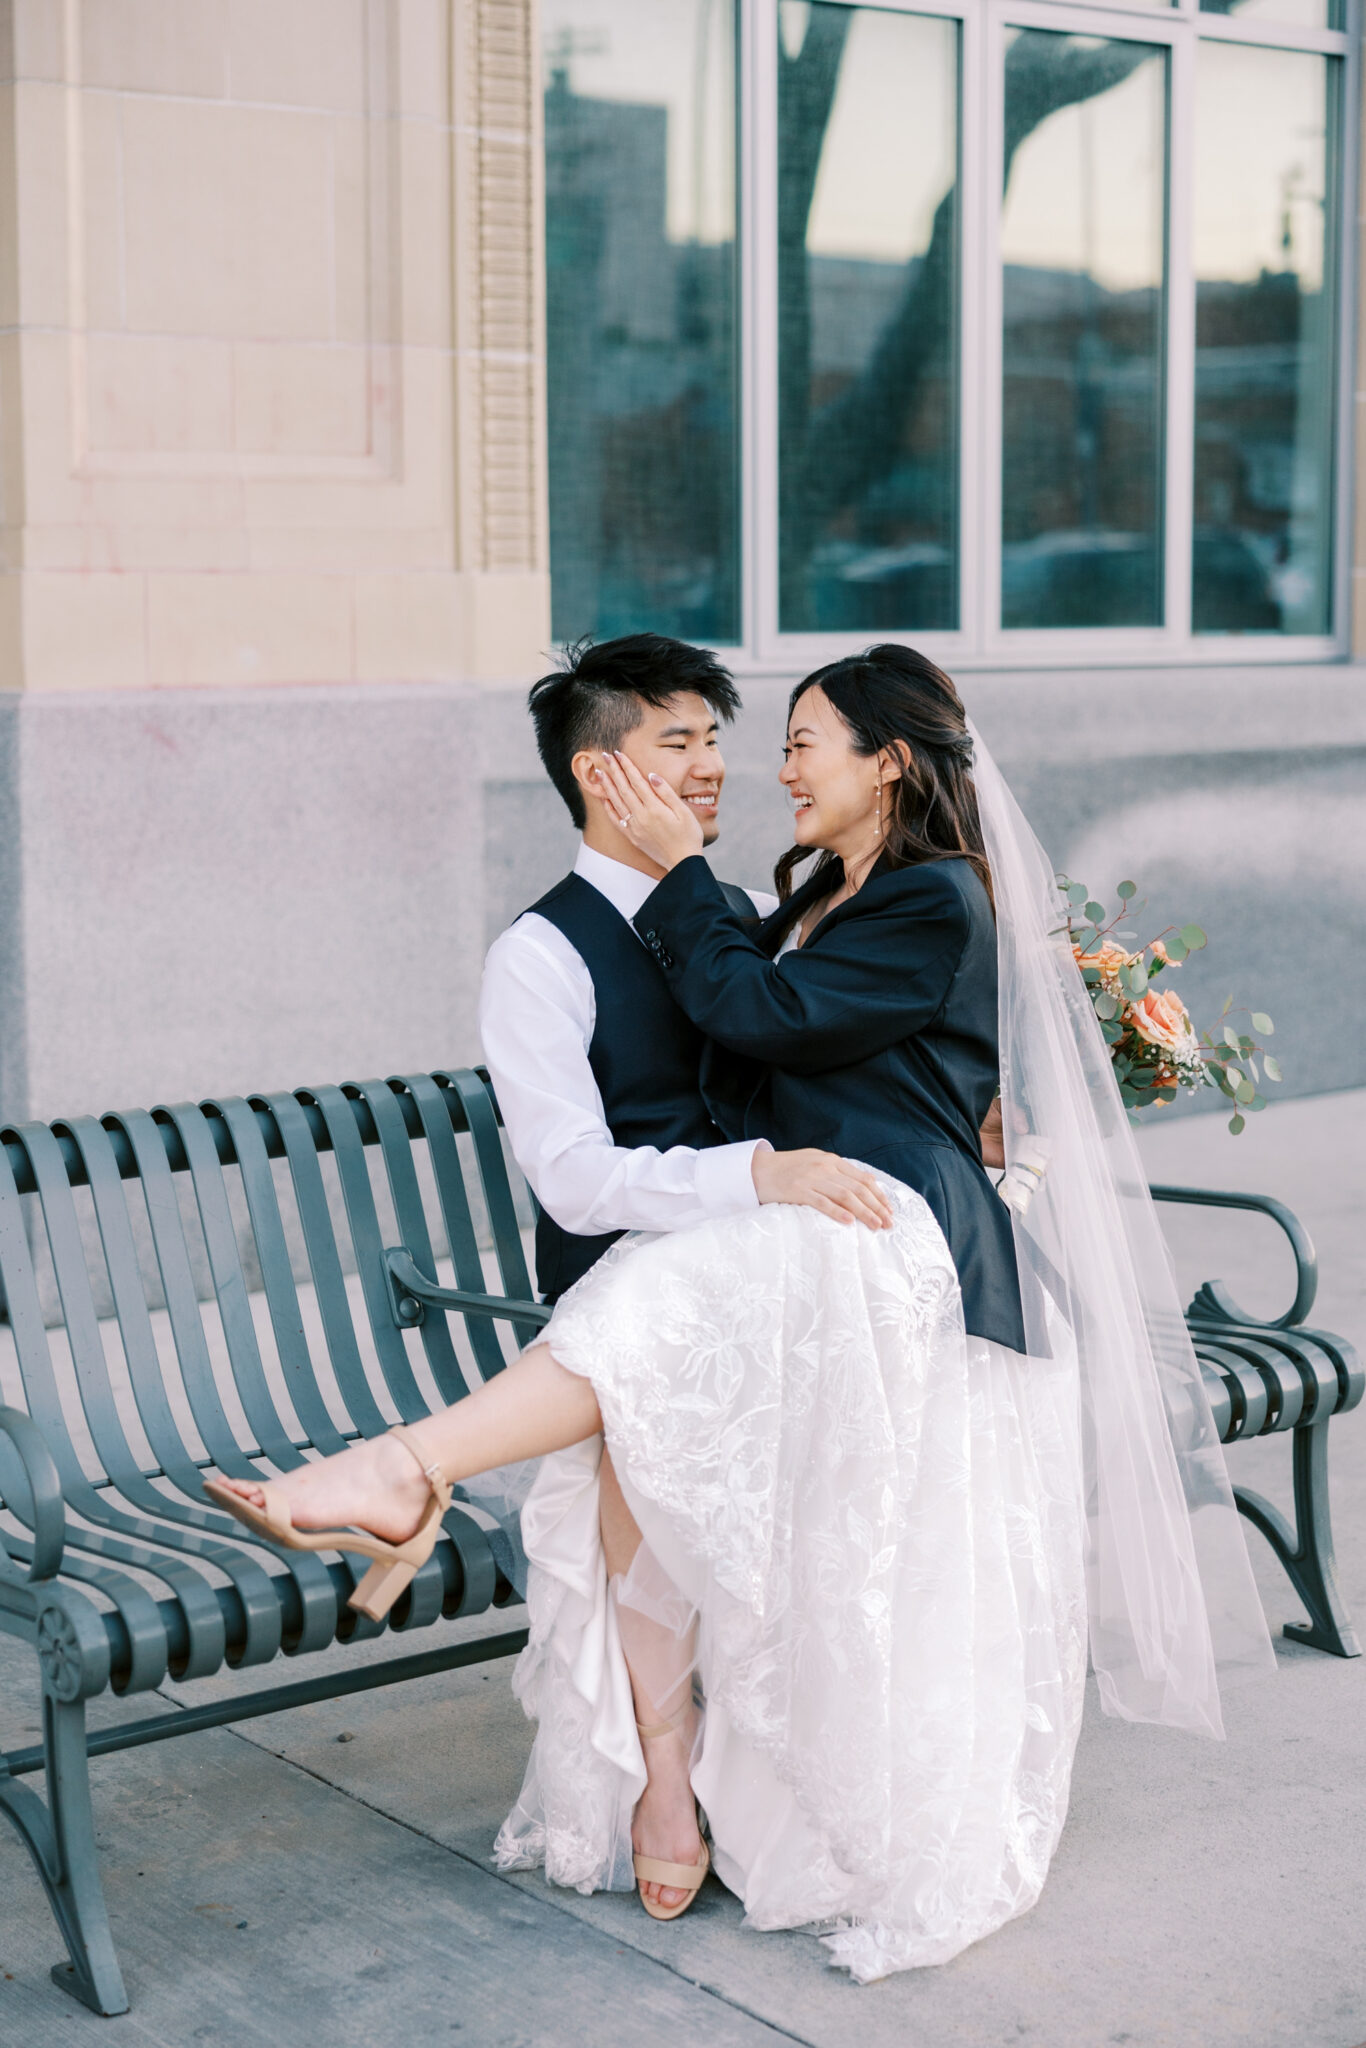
x: 890, y: 696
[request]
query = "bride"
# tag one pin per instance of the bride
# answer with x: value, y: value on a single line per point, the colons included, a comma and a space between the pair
x: 871, y: 1493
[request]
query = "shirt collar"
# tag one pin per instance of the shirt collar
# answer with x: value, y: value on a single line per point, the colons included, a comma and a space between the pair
x: 625, y: 888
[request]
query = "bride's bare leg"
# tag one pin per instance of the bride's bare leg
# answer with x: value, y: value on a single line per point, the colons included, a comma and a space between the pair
x: 665, y: 1821
x: 533, y: 1407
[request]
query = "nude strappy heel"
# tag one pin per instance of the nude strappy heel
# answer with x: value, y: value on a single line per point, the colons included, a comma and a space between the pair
x: 395, y: 1565
x: 684, y: 1877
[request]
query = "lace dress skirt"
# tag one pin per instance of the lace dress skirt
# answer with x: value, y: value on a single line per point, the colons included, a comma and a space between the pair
x: 871, y: 1527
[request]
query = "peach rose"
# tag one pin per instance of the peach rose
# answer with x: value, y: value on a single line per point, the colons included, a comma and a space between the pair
x: 1109, y: 959
x: 1162, y: 1019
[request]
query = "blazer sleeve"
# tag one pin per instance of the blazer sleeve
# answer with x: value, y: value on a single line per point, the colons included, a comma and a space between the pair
x: 877, y: 976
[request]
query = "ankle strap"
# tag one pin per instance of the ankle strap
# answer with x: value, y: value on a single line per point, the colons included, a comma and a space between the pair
x: 646, y: 1729
x: 433, y: 1474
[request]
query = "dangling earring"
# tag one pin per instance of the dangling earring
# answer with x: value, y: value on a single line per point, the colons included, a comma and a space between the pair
x: 879, y: 807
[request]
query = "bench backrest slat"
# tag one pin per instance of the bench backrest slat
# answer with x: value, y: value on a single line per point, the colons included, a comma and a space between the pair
x: 79, y: 1315
x: 130, y: 1302
x: 507, y: 1238
x: 324, y: 1263
x: 277, y: 1274
x: 397, y: 1153
x: 432, y: 1105
x: 368, y: 1243
x: 180, y: 1293
x: 272, y: 1432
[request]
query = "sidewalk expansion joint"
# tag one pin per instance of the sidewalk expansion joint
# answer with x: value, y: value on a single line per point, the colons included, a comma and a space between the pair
x: 622, y: 1940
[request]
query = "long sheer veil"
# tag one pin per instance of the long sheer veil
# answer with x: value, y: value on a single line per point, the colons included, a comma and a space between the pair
x: 1171, y: 1596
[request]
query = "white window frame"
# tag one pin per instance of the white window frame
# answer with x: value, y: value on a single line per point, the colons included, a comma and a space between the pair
x: 980, y: 642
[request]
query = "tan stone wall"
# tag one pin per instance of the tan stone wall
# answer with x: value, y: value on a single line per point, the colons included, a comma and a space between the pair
x: 271, y: 372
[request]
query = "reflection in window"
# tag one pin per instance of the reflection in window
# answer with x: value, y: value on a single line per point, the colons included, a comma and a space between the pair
x: 640, y: 317
x: 1082, y: 248
x: 867, y: 250
x: 1281, y: 13
x: 1263, y: 342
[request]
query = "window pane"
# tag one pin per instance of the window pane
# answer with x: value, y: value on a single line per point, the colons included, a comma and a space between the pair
x: 867, y: 259
x: 640, y: 317
x: 1083, y: 249
x: 1263, y: 342
x: 1285, y: 13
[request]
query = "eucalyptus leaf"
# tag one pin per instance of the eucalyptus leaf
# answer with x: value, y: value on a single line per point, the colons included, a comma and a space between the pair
x: 1228, y: 1005
x: 1237, y: 1125
x: 1257, y: 1102
x: 1261, y: 1022
x: 1245, y: 1091
x: 1135, y: 978
x: 1095, y: 911
x: 1166, y: 1095
x: 1107, y: 1006
x: 1176, y: 951
x: 1195, y: 938
x: 1231, y: 1038
x: 1126, y: 890
x: 1273, y: 1068
x: 1077, y: 892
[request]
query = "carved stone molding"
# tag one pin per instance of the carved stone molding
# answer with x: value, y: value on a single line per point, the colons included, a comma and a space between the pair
x: 499, y: 317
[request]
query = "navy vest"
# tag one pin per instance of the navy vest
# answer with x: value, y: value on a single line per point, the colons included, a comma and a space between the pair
x: 645, y: 1055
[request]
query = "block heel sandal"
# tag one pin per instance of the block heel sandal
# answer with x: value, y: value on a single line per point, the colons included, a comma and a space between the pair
x: 394, y: 1566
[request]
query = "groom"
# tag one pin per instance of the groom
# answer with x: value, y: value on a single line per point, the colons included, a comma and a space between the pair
x: 597, y: 1074
x: 595, y: 1066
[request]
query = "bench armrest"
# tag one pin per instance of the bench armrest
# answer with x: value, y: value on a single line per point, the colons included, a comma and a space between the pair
x: 412, y: 1292
x: 48, y: 1521
x: 1213, y: 1303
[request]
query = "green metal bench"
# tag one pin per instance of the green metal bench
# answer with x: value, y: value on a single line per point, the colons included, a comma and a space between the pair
x: 112, y: 1566
x: 238, y: 1220
x: 1268, y: 1375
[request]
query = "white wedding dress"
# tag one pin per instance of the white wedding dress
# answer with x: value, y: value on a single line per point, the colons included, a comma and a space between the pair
x: 876, y: 1523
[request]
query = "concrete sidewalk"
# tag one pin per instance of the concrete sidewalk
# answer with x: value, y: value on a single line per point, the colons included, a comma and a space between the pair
x: 322, y: 1877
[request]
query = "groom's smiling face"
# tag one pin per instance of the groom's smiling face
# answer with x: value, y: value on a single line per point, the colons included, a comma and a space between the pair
x: 678, y: 741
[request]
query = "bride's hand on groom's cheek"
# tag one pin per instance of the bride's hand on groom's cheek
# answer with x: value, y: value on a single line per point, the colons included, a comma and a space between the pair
x: 648, y: 813
x: 824, y: 1181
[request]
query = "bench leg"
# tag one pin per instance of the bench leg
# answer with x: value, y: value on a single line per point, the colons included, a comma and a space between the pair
x: 61, y: 1840
x: 1306, y: 1551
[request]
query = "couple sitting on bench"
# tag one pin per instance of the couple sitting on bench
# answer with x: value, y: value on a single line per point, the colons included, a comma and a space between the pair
x: 839, y: 1461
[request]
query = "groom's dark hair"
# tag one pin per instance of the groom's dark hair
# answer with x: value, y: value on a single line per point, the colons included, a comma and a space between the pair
x: 599, y: 693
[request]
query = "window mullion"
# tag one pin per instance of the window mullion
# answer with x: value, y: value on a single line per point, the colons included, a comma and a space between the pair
x: 978, y: 436
x: 1179, y: 374
x: 759, y: 144
x: 990, y: 96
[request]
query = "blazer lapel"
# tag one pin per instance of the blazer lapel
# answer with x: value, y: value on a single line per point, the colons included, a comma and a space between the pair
x: 779, y: 922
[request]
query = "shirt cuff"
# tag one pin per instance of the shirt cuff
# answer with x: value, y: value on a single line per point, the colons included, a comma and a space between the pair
x: 725, y: 1179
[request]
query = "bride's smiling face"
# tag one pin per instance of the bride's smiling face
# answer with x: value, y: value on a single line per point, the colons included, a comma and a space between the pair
x: 834, y: 790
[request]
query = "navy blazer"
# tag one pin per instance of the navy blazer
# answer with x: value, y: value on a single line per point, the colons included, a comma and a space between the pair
x: 876, y: 1039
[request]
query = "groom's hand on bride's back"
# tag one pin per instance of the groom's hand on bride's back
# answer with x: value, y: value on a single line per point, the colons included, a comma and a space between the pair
x: 824, y: 1181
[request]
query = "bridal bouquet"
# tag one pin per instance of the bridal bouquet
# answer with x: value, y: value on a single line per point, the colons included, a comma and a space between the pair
x: 1154, y: 1045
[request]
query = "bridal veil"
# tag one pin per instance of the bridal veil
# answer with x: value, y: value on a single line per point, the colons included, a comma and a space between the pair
x: 1170, y: 1591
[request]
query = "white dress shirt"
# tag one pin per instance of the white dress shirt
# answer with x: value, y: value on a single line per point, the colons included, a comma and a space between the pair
x: 537, y: 1010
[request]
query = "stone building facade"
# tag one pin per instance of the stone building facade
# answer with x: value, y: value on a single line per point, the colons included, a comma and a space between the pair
x: 276, y: 576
